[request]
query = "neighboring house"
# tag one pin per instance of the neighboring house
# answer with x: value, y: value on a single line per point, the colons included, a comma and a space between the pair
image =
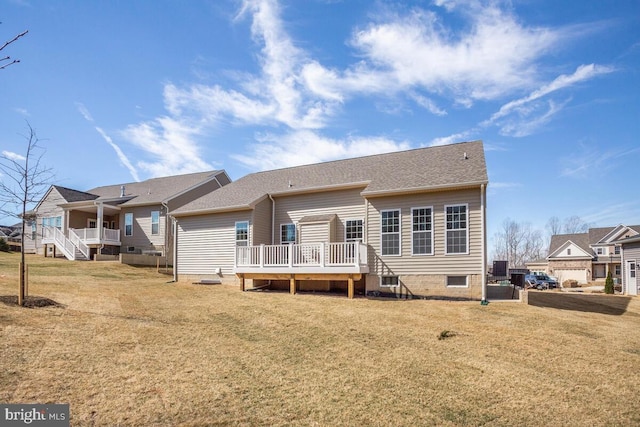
x: 410, y: 222
x: 630, y: 259
x: 587, y: 257
x: 12, y: 235
x: 127, y: 218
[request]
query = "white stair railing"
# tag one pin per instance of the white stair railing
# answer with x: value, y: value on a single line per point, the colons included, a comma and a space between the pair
x: 75, y: 239
x: 64, y: 244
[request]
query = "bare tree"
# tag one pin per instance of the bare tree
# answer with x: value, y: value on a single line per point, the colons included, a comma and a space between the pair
x: 554, y: 226
x: 575, y: 224
x: 3, y: 61
x: 23, y: 181
x: 518, y: 243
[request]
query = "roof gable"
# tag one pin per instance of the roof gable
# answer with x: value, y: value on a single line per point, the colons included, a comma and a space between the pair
x: 423, y: 169
x: 570, y: 250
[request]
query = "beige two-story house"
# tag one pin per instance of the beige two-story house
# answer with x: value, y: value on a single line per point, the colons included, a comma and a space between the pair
x: 588, y: 257
x: 408, y: 223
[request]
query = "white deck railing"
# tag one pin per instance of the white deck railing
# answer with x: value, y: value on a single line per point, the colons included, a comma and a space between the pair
x: 78, y: 239
x: 302, y: 255
x: 91, y: 235
x: 82, y: 247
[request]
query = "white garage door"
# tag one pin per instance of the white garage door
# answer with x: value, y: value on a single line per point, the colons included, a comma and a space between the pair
x: 578, y: 274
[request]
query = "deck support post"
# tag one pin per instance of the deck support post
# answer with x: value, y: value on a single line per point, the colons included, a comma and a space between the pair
x: 242, y: 283
x: 292, y: 285
x: 350, y: 292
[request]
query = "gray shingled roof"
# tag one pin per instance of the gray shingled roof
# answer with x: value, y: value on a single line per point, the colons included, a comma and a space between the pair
x: 152, y: 191
x: 71, y: 195
x: 580, y: 239
x: 583, y: 240
x: 423, y: 168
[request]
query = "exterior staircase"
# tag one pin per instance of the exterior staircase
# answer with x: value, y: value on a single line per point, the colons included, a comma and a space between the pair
x: 72, y: 247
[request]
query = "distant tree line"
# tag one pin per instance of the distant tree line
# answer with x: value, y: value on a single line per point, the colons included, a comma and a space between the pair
x: 519, y: 243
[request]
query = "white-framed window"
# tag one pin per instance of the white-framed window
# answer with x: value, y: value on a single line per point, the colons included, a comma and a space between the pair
x: 242, y: 233
x: 92, y: 223
x: 616, y: 250
x: 632, y: 270
x: 617, y: 269
x: 155, y: 222
x: 287, y: 233
x: 354, y: 230
x: 390, y: 241
x: 58, y: 221
x: 389, y: 281
x: 128, y: 224
x: 422, y: 231
x: 600, y: 251
x: 456, y: 229
x: 457, y: 281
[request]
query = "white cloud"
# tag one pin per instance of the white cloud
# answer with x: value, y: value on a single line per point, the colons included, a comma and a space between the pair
x: 493, y: 57
x: 13, y: 156
x: 123, y: 158
x: 306, y: 147
x: 583, y: 162
x: 84, y: 112
x: 170, y: 143
x: 456, y: 137
x: 582, y: 73
x: 413, y: 57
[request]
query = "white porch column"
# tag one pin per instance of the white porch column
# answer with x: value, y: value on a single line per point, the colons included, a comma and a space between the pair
x: 100, y: 220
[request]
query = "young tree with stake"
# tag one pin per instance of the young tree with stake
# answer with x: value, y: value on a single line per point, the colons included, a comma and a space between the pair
x: 23, y: 181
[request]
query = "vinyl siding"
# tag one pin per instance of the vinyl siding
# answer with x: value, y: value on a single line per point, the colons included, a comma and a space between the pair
x: 315, y: 232
x: 439, y: 263
x: 346, y: 204
x: 207, y: 242
x: 631, y: 252
x: 142, y: 237
x: 48, y: 208
x: 260, y: 226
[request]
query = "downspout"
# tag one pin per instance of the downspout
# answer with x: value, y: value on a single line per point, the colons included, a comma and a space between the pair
x: 483, y: 210
x: 175, y: 249
x: 166, y: 232
x: 273, y: 220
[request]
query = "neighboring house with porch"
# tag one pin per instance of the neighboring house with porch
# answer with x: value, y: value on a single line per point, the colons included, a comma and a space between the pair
x: 588, y: 257
x: 123, y: 218
x: 408, y: 223
x: 630, y: 258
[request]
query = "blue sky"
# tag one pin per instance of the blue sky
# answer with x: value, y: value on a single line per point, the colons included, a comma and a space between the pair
x: 121, y: 91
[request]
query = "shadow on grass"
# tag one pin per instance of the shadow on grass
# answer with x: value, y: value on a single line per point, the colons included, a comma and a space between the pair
x: 603, y: 304
x: 30, y: 301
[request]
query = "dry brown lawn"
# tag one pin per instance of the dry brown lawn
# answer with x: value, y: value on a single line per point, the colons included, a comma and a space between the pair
x: 128, y: 348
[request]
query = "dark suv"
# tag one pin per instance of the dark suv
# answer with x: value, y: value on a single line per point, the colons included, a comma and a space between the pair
x: 546, y: 279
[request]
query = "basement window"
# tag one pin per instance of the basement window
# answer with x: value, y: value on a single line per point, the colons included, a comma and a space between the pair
x: 389, y: 282
x: 457, y: 281
x: 131, y: 249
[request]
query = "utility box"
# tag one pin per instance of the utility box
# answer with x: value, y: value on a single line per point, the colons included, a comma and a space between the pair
x: 500, y: 268
x: 517, y: 280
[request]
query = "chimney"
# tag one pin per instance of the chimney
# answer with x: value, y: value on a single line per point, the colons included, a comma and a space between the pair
x: 122, y: 191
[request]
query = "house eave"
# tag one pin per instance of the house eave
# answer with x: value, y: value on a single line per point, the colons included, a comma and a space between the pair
x: 207, y: 211
x: 424, y: 189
